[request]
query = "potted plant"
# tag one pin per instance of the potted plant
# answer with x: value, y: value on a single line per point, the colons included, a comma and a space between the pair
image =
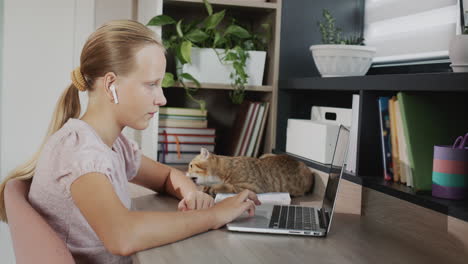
x: 458, y: 51
x: 207, y: 52
x: 340, y: 56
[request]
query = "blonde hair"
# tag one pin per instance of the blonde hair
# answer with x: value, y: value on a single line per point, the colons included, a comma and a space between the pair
x: 111, y: 48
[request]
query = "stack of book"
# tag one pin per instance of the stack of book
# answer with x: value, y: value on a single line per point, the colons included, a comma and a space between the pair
x: 182, y: 133
x: 410, y: 127
x: 182, y: 117
x: 248, y: 129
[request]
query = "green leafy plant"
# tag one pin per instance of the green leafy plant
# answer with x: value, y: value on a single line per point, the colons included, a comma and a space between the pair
x: 332, y: 35
x: 180, y: 36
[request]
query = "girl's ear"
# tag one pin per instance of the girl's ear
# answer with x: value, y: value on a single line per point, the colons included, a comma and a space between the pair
x: 205, y: 154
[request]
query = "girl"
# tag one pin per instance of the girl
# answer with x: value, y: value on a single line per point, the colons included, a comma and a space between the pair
x: 81, y: 171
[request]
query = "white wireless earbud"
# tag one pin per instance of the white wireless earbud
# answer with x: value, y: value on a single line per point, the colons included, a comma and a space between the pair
x: 114, y: 94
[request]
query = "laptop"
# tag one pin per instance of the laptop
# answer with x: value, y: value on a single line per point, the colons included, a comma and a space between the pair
x: 295, y: 219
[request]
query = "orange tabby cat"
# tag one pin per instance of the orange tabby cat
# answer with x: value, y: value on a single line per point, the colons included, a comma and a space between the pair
x: 269, y: 173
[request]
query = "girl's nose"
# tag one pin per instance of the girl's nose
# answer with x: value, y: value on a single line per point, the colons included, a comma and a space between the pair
x: 160, y: 99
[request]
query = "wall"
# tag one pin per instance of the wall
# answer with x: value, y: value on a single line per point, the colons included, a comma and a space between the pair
x: 41, y: 40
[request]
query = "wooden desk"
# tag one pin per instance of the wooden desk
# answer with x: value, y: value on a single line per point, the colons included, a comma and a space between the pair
x: 353, y: 239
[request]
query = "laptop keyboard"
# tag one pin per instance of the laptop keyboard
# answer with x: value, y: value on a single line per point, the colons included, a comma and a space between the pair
x: 293, y: 217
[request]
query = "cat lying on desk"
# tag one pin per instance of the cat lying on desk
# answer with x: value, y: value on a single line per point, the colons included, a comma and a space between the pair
x: 269, y: 173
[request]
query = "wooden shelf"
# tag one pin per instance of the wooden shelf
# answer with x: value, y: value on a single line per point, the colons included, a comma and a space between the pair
x: 457, y: 209
x: 225, y: 3
x: 215, y: 86
x: 433, y: 82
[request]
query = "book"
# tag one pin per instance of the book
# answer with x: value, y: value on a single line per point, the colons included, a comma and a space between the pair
x: 282, y: 198
x: 186, y: 147
x: 255, y: 131
x: 187, y: 130
x: 186, y: 138
x: 430, y: 119
x: 402, y: 152
x: 353, y: 135
x: 394, y: 140
x: 183, y: 123
x: 385, y: 138
x: 181, y: 117
x: 176, y: 158
x: 248, y: 133
x: 262, y: 128
x: 245, y: 124
x: 235, y: 132
x: 181, y: 111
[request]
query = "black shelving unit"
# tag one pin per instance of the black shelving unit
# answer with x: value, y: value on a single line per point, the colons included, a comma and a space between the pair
x: 300, y: 88
x: 458, y: 209
x: 427, y: 82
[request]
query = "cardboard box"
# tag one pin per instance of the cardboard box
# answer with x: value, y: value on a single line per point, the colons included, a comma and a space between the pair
x: 315, y: 139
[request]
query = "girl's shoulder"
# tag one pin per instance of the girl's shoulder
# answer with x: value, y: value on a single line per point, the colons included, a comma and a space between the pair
x: 76, y: 136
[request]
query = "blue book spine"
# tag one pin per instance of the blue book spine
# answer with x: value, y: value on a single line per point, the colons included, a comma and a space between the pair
x: 386, y: 138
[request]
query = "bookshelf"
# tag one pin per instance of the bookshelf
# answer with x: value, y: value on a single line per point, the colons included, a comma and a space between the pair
x: 218, y: 86
x: 457, y: 209
x: 300, y: 88
x: 221, y: 112
x: 265, y: 6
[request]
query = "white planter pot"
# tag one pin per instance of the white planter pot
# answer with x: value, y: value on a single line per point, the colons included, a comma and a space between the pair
x: 207, y: 68
x: 458, y: 53
x: 342, y: 60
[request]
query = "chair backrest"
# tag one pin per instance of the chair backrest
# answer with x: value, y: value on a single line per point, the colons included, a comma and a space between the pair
x: 34, y: 241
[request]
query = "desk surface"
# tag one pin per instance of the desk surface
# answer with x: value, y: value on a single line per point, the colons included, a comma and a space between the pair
x: 353, y: 239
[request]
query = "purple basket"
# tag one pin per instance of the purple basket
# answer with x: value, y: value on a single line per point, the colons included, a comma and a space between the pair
x: 450, y: 170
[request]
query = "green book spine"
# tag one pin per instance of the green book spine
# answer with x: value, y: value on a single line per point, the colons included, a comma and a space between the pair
x: 430, y: 119
x: 403, y: 111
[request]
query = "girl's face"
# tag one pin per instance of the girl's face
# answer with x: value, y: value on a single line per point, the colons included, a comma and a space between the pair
x: 140, y: 93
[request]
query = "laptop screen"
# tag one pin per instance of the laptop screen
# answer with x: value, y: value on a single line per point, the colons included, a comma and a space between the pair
x: 336, y: 169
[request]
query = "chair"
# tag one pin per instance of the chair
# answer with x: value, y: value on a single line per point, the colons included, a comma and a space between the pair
x: 34, y: 241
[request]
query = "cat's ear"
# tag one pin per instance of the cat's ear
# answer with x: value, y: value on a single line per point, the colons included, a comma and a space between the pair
x: 204, y: 153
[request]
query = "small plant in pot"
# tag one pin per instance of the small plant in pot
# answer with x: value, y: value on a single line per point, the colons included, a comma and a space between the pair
x: 339, y: 56
x: 458, y: 50
x: 232, y: 45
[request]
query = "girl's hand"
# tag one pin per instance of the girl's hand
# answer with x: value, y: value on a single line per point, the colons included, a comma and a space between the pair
x: 196, y: 200
x: 232, y: 207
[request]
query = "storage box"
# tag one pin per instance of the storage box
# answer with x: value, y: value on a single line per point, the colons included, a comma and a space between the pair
x: 450, y: 170
x: 315, y: 139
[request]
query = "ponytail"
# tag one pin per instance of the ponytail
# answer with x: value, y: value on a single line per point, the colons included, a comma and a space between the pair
x: 67, y: 107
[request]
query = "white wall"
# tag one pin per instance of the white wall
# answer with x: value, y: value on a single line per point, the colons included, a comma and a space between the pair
x: 41, y: 40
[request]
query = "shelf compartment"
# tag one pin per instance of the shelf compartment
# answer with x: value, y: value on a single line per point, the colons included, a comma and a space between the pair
x: 216, y: 86
x: 432, y: 82
x: 225, y: 3
x: 457, y: 209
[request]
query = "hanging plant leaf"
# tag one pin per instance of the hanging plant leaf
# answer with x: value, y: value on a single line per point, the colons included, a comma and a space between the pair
x: 208, y: 7
x: 231, y: 56
x: 168, y: 80
x: 216, y: 40
x: 178, y: 54
x: 189, y: 77
x: 179, y: 29
x: 186, y: 51
x: 161, y: 20
x: 237, y: 31
x: 213, y: 20
x: 197, y: 36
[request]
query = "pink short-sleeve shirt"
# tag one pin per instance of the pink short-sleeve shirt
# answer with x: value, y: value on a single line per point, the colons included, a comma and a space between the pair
x: 75, y: 150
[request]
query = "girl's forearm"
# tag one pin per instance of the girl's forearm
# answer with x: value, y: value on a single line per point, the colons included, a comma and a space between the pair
x: 178, y: 184
x: 153, y: 229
